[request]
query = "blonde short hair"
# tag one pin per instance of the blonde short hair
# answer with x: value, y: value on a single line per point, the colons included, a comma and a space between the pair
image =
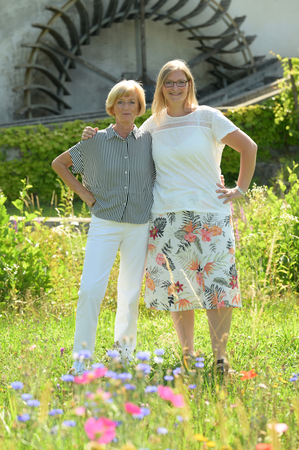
x: 126, y: 88
x: 159, y: 102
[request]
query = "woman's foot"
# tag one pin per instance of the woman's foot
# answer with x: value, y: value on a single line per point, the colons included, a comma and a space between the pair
x: 78, y: 368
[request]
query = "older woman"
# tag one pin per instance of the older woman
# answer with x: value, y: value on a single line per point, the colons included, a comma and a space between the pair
x: 191, y: 262
x: 117, y: 183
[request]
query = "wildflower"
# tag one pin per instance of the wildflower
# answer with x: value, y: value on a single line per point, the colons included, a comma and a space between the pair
x: 101, y: 430
x: 200, y: 437
x: 129, y: 386
x: 151, y: 389
x: 143, y: 356
x: 89, y: 376
x: 199, y: 359
x: 248, y: 375
x: 146, y: 368
x: 23, y: 418
x: 84, y: 354
x: 113, y: 353
x: 55, y: 412
x: 158, y: 360
x: 167, y: 393
x: 111, y: 374
x: 211, y: 444
x: 69, y: 423
x: 159, y: 352
x: 32, y: 347
x: 176, y: 371
x: 17, y: 385
x: 132, y: 409
x: 168, y: 377
x: 97, y: 366
x: 279, y: 427
x: 61, y: 351
x: 33, y: 402
x: 68, y: 378
x: 263, y: 446
x: 162, y: 430
x: 294, y: 377
x: 125, y: 376
x: 179, y: 418
x: 80, y: 411
x: 233, y: 406
x: 192, y: 386
x: 200, y: 365
x: 26, y: 397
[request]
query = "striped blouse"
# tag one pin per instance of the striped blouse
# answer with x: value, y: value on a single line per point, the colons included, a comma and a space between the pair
x: 119, y: 173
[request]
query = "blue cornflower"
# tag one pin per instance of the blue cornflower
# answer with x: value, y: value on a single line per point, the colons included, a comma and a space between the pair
x: 168, y: 377
x: 158, y: 360
x: 111, y: 374
x: 199, y: 364
x: 26, y: 396
x: 84, y: 354
x: 113, y: 353
x: 179, y: 418
x: 145, y: 411
x: 69, y: 378
x: 143, y: 356
x: 199, y: 359
x: 17, y: 385
x: 129, y: 386
x: 69, y: 423
x: 294, y: 377
x: 125, y: 376
x: 117, y: 422
x: 146, y: 368
x: 23, y: 418
x: 192, y: 386
x: 151, y: 389
x: 162, y: 430
x: 55, y: 412
x: 176, y: 371
x: 33, y: 402
x: 159, y: 352
x: 97, y: 366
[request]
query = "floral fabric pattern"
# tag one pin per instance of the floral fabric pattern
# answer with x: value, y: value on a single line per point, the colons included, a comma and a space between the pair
x: 191, y: 262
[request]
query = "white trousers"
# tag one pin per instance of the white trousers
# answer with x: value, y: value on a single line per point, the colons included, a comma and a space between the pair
x: 104, y: 239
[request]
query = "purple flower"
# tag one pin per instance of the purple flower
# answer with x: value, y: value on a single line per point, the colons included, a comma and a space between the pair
x: 61, y: 351
x: 199, y: 364
x: 125, y: 376
x: 176, y: 371
x: 192, y: 386
x: 159, y: 352
x: 33, y: 402
x: 84, y: 354
x: 162, y: 430
x: 143, y: 356
x: 111, y: 374
x: 146, y: 368
x: 130, y: 387
x: 26, y: 397
x: 168, y: 377
x: 58, y: 386
x: 68, y: 378
x: 179, y: 418
x: 151, y: 389
x: 69, y: 423
x: 55, y: 412
x: 23, y: 418
x: 113, y: 353
x: 199, y: 359
x: 97, y: 366
x: 145, y: 411
x: 17, y: 385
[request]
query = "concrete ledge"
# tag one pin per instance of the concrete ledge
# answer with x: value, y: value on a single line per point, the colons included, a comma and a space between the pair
x: 54, y: 221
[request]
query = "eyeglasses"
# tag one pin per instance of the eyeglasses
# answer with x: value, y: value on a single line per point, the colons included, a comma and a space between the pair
x: 180, y: 83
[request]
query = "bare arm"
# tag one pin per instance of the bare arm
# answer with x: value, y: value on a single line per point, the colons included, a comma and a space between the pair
x: 243, y: 144
x: 60, y: 165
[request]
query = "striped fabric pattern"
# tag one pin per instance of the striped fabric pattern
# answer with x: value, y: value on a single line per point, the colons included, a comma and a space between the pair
x: 119, y: 172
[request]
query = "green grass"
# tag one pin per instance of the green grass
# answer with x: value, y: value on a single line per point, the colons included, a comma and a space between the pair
x: 46, y: 209
x: 264, y: 337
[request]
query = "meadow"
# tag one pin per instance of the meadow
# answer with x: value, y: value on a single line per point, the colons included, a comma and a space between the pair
x: 154, y: 403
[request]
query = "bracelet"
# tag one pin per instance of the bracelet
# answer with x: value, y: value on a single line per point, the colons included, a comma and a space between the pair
x: 241, y: 191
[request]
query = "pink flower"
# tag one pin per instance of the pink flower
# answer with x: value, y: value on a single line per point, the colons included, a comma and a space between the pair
x: 132, y: 409
x: 101, y: 430
x: 87, y: 377
x: 61, y: 351
x: 190, y: 237
x: 80, y: 411
x: 205, y: 235
x: 103, y: 394
x: 32, y: 347
x: 160, y: 259
x: 167, y: 393
x: 279, y: 427
x: 221, y: 304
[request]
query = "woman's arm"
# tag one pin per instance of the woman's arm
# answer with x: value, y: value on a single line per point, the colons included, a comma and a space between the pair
x: 88, y: 133
x: 243, y: 144
x: 60, y: 165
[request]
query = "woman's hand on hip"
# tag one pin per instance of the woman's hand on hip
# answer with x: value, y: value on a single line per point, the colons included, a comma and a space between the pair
x: 228, y: 194
x: 88, y: 133
x: 88, y: 198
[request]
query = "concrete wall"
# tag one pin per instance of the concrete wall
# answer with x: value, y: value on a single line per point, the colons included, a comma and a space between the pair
x: 274, y: 21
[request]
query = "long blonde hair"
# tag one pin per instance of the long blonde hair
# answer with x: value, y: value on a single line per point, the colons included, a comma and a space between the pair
x: 159, y: 102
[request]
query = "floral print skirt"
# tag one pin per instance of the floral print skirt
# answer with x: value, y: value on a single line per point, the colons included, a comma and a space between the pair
x: 191, y: 262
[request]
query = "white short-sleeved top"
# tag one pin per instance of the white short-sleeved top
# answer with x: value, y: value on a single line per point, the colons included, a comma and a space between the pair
x: 187, y: 153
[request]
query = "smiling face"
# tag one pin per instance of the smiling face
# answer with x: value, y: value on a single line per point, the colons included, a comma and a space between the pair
x: 176, y: 95
x: 126, y: 108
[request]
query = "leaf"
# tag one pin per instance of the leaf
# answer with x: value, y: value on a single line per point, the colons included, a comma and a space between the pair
x: 198, y: 245
x: 221, y: 281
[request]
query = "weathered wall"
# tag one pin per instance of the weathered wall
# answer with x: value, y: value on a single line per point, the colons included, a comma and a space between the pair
x: 274, y: 21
